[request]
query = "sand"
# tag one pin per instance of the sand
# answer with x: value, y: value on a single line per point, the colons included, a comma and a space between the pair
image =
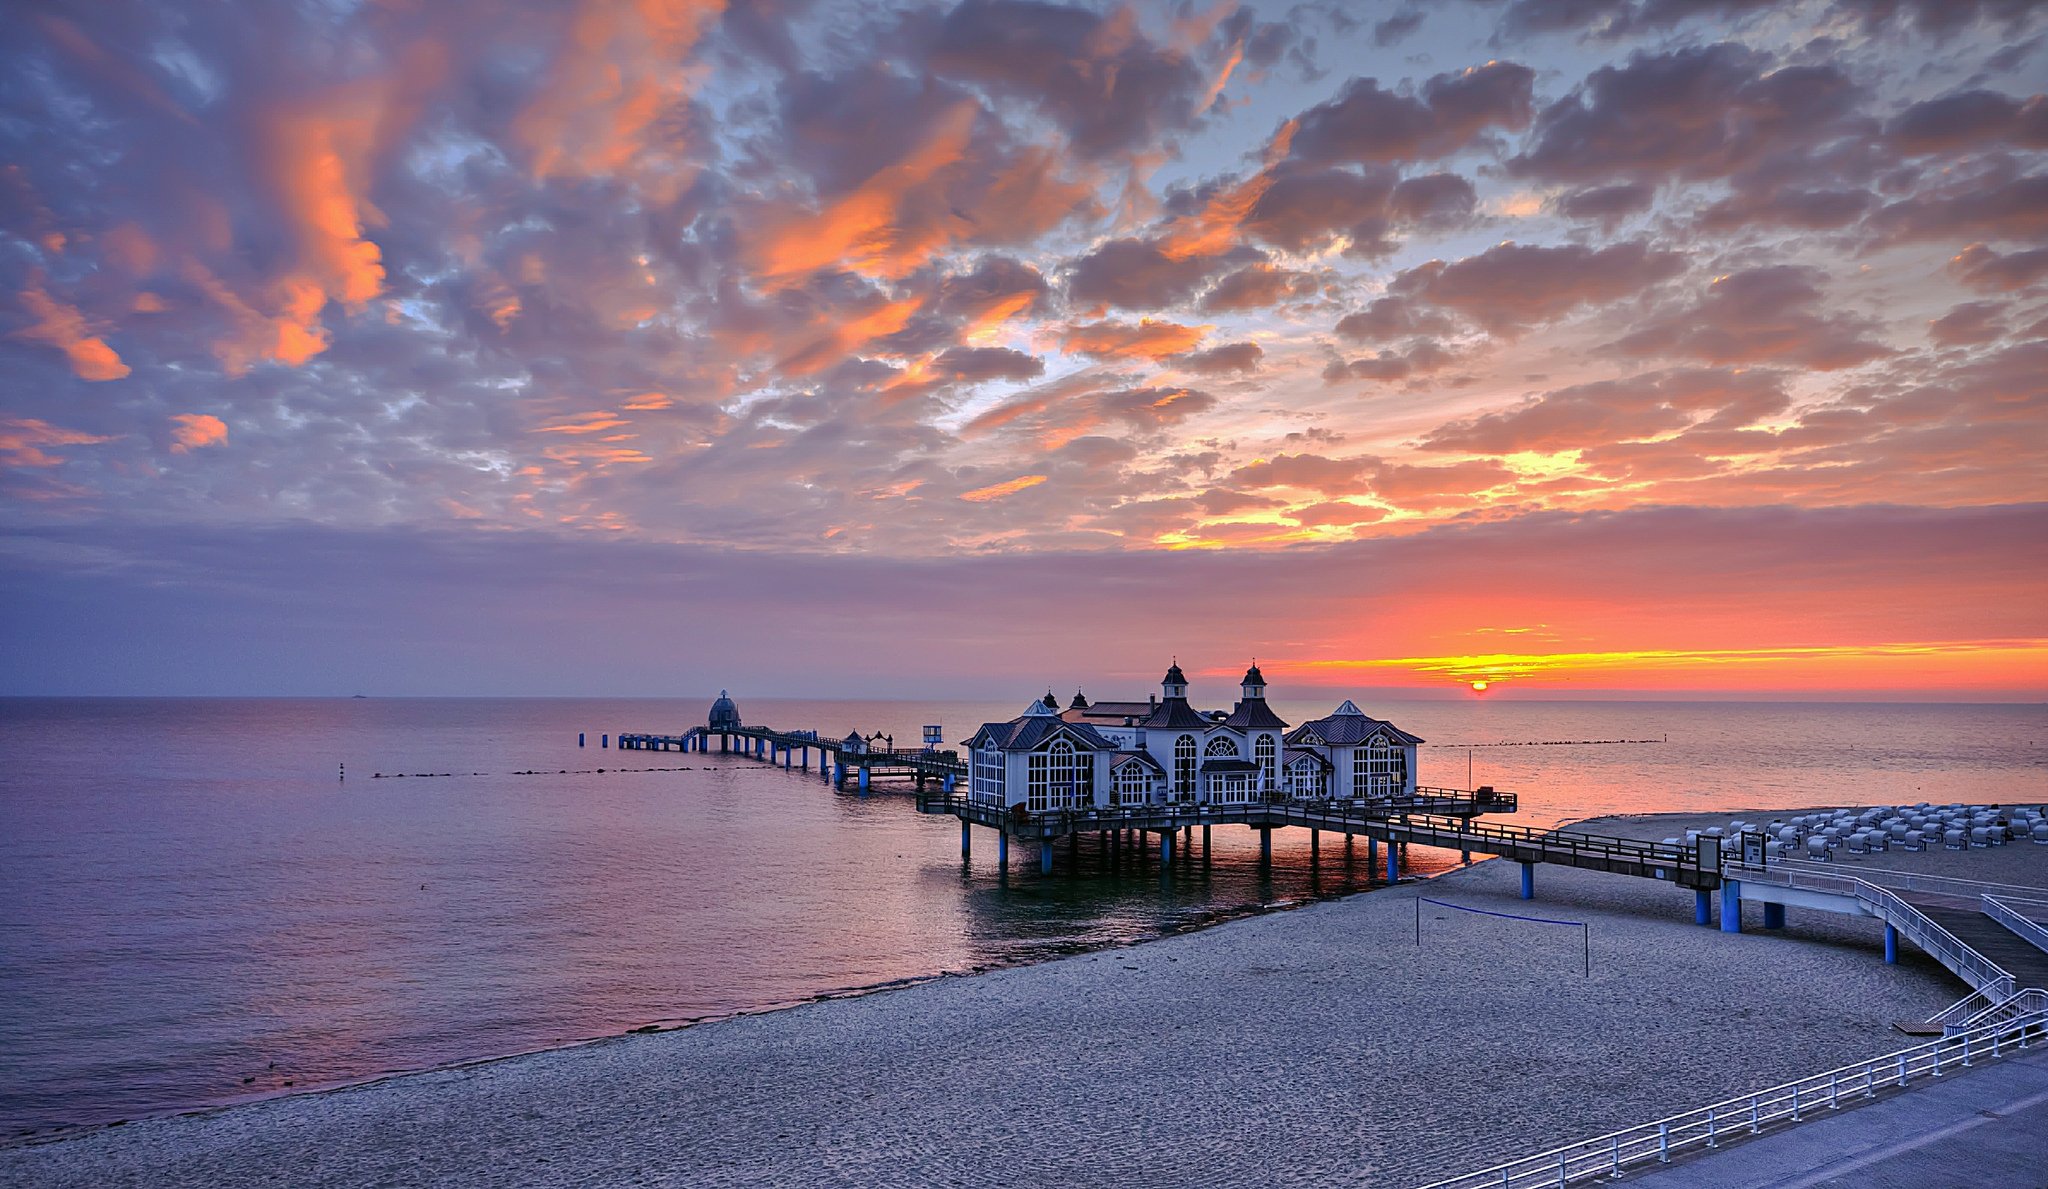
x: 1315, y: 1046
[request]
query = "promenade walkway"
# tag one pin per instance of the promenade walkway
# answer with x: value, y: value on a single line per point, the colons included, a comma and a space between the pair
x: 1980, y: 1130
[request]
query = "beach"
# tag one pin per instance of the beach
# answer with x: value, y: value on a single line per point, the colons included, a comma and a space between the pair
x: 1313, y: 1046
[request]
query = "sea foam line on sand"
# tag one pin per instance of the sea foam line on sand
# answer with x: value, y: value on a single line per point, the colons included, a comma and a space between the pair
x: 1315, y: 1046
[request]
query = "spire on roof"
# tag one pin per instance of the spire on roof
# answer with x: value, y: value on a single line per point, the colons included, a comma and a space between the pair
x: 1349, y: 707
x: 1051, y: 703
x: 1174, y: 676
x: 1079, y: 702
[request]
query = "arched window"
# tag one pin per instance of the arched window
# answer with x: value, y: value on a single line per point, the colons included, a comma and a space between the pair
x: 1264, y: 752
x: 1378, y: 769
x: 1184, y: 768
x: 1133, y: 785
x: 1221, y: 745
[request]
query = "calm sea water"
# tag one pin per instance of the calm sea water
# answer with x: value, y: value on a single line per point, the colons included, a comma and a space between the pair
x: 195, y: 910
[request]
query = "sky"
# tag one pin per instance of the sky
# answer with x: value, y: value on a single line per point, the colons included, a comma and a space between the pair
x: 1575, y: 347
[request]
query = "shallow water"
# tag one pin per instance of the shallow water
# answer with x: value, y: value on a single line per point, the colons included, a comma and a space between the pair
x: 195, y: 909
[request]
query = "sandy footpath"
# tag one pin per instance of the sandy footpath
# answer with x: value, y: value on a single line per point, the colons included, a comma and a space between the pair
x: 1318, y: 1046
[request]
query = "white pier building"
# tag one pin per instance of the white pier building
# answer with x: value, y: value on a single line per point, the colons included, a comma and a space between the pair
x: 1163, y: 751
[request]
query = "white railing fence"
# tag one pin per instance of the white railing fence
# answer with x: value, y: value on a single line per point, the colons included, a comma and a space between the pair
x: 1711, y: 1126
x: 1915, y: 926
x: 2022, y: 916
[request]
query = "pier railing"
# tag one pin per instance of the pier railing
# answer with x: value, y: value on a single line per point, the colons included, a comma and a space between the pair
x: 1747, y: 1114
x: 1888, y: 906
x: 2025, y: 922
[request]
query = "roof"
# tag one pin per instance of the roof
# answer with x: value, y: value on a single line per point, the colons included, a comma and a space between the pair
x: 1348, y: 725
x: 1029, y: 732
x: 1113, y: 713
x: 1174, y: 714
x: 1252, y: 676
x: 1174, y: 676
x: 1253, y: 714
x: 1079, y: 702
x: 1125, y: 759
x: 1229, y: 766
x: 1297, y: 754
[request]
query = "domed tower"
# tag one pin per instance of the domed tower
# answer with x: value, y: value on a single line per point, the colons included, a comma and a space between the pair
x: 1051, y: 703
x: 1079, y: 702
x: 1254, y: 683
x: 724, y: 715
x: 1174, y: 684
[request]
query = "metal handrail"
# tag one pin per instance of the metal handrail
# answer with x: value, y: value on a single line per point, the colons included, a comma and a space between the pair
x: 1922, y: 930
x: 2000, y: 909
x: 1747, y: 1114
x: 1915, y: 882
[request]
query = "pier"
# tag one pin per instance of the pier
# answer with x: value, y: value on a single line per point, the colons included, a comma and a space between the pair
x: 853, y: 760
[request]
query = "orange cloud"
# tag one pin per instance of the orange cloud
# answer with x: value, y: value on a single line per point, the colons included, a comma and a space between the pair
x: 1121, y: 340
x: 996, y: 491
x: 591, y: 423
x: 621, y: 71
x: 23, y: 441
x: 195, y: 431
x: 648, y: 401
x: 865, y: 230
x: 63, y: 327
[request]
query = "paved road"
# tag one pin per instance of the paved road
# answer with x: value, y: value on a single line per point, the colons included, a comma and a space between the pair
x: 1984, y: 1128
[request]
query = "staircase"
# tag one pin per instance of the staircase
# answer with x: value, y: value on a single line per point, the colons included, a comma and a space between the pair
x: 1971, y: 926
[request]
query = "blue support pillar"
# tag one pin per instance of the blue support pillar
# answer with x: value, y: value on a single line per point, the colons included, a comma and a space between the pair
x: 604, y: 740
x: 1731, y: 906
x: 1045, y: 858
x: 1891, y: 946
x: 1774, y: 916
x: 579, y: 738
x: 1702, y: 906
x: 1166, y: 848
x: 838, y: 774
x: 1003, y: 849
x: 1372, y: 852
x: 1528, y: 881
x: 966, y: 839
x: 1266, y: 846
x: 785, y: 757
x: 1393, y: 862
x: 863, y: 780
x: 950, y: 780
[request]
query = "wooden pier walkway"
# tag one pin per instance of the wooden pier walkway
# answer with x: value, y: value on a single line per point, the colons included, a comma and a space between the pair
x: 853, y: 759
x: 1438, y: 817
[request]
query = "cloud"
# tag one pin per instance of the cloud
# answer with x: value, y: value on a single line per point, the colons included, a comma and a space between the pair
x: 606, y: 103
x: 1107, y: 86
x: 1421, y: 357
x: 1135, y: 275
x: 1970, y: 120
x: 1511, y: 287
x: 1969, y: 208
x: 1980, y: 267
x: 1606, y: 204
x: 1582, y: 416
x: 1229, y: 357
x: 63, y: 327
x: 975, y: 364
x: 194, y: 431
x: 1257, y: 286
x: 1969, y: 323
x: 1146, y: 339
x: 1366, y: 124
x: 1769, y: 314
x: 1390, y: 318
x: 1699, y: 112
x: 1007, y: 487
x: 26, y: 442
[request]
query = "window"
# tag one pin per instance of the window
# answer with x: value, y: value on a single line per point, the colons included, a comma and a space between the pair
x: 1264, y: 752
x: 1133, y: 784
x: 1378, y: 769
x: 1221, y: 745
x: 1184, y: 768
x: 1308, y: 778
x: 1059, y: 778
x: 988, y: 775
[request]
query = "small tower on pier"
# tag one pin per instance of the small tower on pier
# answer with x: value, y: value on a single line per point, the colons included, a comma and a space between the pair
x: 724, y: 715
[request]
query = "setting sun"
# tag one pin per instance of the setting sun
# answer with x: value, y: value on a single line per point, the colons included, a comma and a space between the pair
x: 1479, y: 687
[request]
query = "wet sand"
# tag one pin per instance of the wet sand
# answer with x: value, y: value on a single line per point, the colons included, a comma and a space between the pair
x: 1315, y: 1046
